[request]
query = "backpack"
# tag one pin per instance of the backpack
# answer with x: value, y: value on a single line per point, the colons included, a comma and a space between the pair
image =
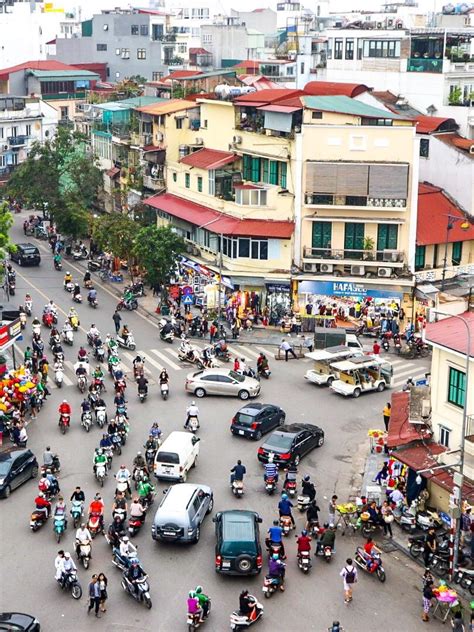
x: 350, y: 576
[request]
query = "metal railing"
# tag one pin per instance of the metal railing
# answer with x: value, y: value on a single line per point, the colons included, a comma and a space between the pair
x: 333, y: 254
x: 423, y: 64
x: 16, y: 141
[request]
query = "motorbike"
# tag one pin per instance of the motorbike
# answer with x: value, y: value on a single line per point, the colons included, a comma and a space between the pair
x: 138, y: 475
x: 22, y: 319
x: 68, y: 337
x: 81, y: 383
x: 55, y: 467
x: 271, y: 585
x: 270, y: 484
x: 275, y: 548
x: 91, y: 339
x: 74, y: 322
x: 48, y: 319
x: 166, y: 331
x: 94, y: 266
x: 11, y: 286
x: 99, y: 353
x: 123, y: 486
x: 290, y: 487
x: 285, y: 524
x: 239, y: 621
x: 92, y: 302
x: 134, y: 525
x: 28, y: 307
x: 238, y: 488
x: 386, y: 342
x: 100, y: 473
x: 265, y: 373
x: 164, y: 389
x: 79, y: 254
x: 59, y: 525
x: 93, y: 524
x: 58, y: 265
x: 120, y: 561
x: 129, y: 305
x: 193, y: 424
x: 188, y: 353
x: 59, y: 377
x: 64, y: 421
x: 303, y: 503
x: 71, y: 583
x: 117, y: 443
x: 150, y: 456
x: 397, y: 343
x: 77, y: 298
x: 304, y: 561
x: 372, y: 564
x: 101, y: 416
x: 405, y: 518
x: 194, y: 620
x: 142, y: 394
x: 37, y: 520
x: 142, y: 591
x: 325, y: 552
x: 137, y: 289
x: 129, y: 343
x: 84, y: 554
x: 86, y: 421
x: 77, y: 509
x: 69, y: 287
x: 465, y: 577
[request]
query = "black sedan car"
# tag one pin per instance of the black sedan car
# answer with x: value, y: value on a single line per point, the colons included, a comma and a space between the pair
x: 254, y: 420
x: 19, y: 622
x: 291, y: 443
x: 17, y: 465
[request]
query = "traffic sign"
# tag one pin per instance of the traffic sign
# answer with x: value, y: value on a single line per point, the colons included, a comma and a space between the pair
x: 187, y: 289
x: 188, y: 300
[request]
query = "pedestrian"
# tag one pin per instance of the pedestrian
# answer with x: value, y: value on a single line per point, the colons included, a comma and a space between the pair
x: 387, y: 411
x: 457, y: 623
x: 332, y: 509
x: 94, y: 596
x: 376, y: 349
x: 429, y: 546
x: 382, y: 475
x: 236, y: 364
x: 427, y: 599
x: 102, y: 579
x: 388, y: 518
x: 466, y: 520
x: 287, y: 348
x: 117, y: 319
x: 349, y: 576
x: 212, y: 332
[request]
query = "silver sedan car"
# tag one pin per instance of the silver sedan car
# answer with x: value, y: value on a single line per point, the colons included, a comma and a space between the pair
x: 221, y: 382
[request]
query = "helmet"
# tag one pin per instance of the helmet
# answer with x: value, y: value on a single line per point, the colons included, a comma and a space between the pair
x: 68, y: 272
x: 125, y: 538
x: 41, y: 495
x: 270, y: 458
x: 306, y: 478
x: 139, y: 453
x: 83, y: 525
x: 67, y: 555
x: 331, y: 526
x: 284, y: 496
x: 198, y: 590
x: 276, y: 523
x: 275, y: 556
x: 193, y: 403
x: 122, y: 467
x: 192, y: 593
x: 304, y: 532
x: 64, y: 401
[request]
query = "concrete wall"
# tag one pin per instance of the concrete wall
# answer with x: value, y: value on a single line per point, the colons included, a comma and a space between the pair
x: 263, y: 20
x: 226, y: 42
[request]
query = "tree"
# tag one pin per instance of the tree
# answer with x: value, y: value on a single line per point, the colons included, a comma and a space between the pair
x: 116, y: 234
x: 74, y: 220
x: 156, y: 249
x: 6, y: 222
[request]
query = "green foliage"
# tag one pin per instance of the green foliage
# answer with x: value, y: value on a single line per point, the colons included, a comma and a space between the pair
x: 6, y: 222
x: 156, y: 249
x: 128, y: 88
x: 116, y: 234
x: 455, y: 96
x: 74, y: 219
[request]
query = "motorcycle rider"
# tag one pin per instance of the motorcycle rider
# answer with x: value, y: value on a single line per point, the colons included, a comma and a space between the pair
x: 64, y: 409
x: 83, y: 536
x: 276, y: 570
x: 100, y: 459
x: 57, y: 259
x: 93, y: 332
x: 105, y: 442
x: 92, y: 295
x: 78, y: 495
x: 192, y: 411
x: 142, y: 384
x: 127, y: 550
x: 67, y: 327
x: 308, y: 488
x: 67, y: 278
x: 290, y: 474
x: 271, y: 469
x: 97, y: 507
x: 262, y: 364
x: 139, y: 463
x: 81, y: 355
x: 68, y: 567
x: 247, y: 606
x: 284, y: 508
x: 312, y: 515
x: 137, y: 510
x: 194, y: 609
x: 155, y: 431
x: 303, y: 542
x: 134, y: 573
x: 85, y: 408
x: 48, y: 457
x: 164, y: 377
x: 138, y: 366
x: 327, y: 539
x: 145, y: 491
x: 125, y: 333
x: 238, y: 472
x: 42, y: 505
x: 115, y: 532
x: 77, y: 290
x: 275, y: 536
x: 98, y: 376
x: 123, y: 476
x: 52, y: 483
x: 204, y: 601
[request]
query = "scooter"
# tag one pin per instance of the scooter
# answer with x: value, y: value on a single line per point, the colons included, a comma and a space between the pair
x: 68, y: 337
x: 285, y: 524
x: 193, y: 424
x: 84, y: 554
x: 194, y: 620
x: 77, y: 298
x: 142, y: 591
x: 64, y: 422
x: 164, y: 389
x: 59, y: 525
x: 238, y: 488
x: 304, y: 561
x: 128, y: 344
x: 290, y: 487
x: 69, y: 287
x: 92, y: 302
x: 93, y: 524
x: 100, y: 473
x: 58, y: 265
x: 142, y: 394
x: 101, y: 416
x: 270, y: 484
x: 239, y: 621
x: 130, y: 305
x: 303, y: 503
x: 77, y: 510
x: 465, y: 577
x: 372, y: 565
x: 72, y: 583
x: 81, y: 383
x: 99, y: 353
x: 325, y: 552
x: 28, y: 307
x: 48, y: 319
x: 86, y: 421
x: 37, y: 520
x: 79, y: 254
x: 271, y: 585
x: 59, y: 377
x: 123, y: 487
x: 134, y: 525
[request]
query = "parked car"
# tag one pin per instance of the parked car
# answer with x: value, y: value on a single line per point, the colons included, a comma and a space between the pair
x: 291, y: 443
x: 238, y: 549
x: 19, y: 621
x: 17, y: 465
x: 26, y: 255
x: 254, y: 420
x: 221, y: 382
x: 181, y: 513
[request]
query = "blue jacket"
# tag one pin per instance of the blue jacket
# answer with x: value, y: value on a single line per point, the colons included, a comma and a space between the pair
x: 285, y: 507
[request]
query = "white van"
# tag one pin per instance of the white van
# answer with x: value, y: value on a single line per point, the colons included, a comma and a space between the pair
x: 323, y: 372
x: 176, y: 456
x: 361, y: 375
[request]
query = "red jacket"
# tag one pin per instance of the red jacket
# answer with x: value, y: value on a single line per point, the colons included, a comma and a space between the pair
x: 96, y: 506
x: 65, y: 409
x: 41, y: 502
x: 304, y: 543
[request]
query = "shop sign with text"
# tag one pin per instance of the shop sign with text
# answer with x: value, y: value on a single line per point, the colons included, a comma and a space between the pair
x: 346, y: 288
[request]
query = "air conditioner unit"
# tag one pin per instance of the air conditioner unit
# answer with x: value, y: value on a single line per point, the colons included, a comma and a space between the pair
x: 379, y: 25
x: 4, y: 147
x: 326, y: 267
x: 399, y: 25
x: 390, y: 22
x: 390, y: 255
x: 357, y: 270
x: 384, y: 272
x: 310, y: 267
x: 199, y: 141
x: 237, y: 140
x: 159, y: 137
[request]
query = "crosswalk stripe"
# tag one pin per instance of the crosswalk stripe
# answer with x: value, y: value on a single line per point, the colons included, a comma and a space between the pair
x: 405, y: 372
x: 263, y: 350
x: 161, y: 356
x: 415, y: 376
x: 67, y: 381
x: 245, y: 351
x: 151, y: 361
x: 171, y: 352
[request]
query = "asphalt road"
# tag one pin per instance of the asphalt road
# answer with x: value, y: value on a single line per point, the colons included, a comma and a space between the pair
x: 310, y: 602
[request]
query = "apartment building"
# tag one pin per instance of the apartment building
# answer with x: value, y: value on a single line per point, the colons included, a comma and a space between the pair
x: 229, y: 40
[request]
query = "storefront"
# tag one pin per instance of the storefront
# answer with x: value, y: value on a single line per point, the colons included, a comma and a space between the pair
x: 203, y: 281
x: 278, y: 301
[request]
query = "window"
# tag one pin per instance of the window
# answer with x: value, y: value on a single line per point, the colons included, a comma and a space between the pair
x: 321, y: 235
x: 435, y: 255
x: 251, y: 197
x: 420, y: 253
x: 234, y: 247
x: 258, y: 169
x: 316, y: 115
x: 387, y: 237
x: 424, y: 147
x: 64, y: 115
x: 456, y: 255
x: 207, y: 39
x: 349, y: 49
x: 302, y: 68
x: 1, y: 132
x: 101, y: 47
x: 199, y: 184
x: 338, y: 49
x: 141, y: 53
x: 179, y: 122
x: 200, y: 14
x: 125, y: 53
x: 144, y: 30
x: 259, y: 249
x: 244, y: 248
x: 187, y: 180
x: 444, y: 436
x: 3, y: 161
x: 28, y: 132
x: 457, y: 387
x: 211, y: 178
x: 156, y: 75
x: 182, y: 48
x: 134, y: 29
x: 382, y: 48
x: 175, y: 176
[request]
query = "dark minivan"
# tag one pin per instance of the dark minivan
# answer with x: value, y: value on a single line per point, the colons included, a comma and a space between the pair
x: 238, y: 549
x: 17, y: 465
x: 26, y: 255
x: 254, y: 420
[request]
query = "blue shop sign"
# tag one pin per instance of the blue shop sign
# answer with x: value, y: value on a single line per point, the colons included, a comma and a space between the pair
x: 346, y: 289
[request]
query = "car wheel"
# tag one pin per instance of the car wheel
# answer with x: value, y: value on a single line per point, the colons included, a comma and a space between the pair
x: 243, y: 395
x: 330, y: 381
x: 197, y: 536
x: 258, y: 435
x: 244, y: 563
x: 211, y: 506
x: 281, y: 421
x: 34, y: 471
x: 6, y: 491
x: 381, y: 387
x: 356, y: 392
x: 200, y: 392
x: 297, y: 460
x: 320, y: 441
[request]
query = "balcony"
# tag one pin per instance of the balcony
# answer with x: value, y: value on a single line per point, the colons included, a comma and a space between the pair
x: 390, y: 258
x: 330, y: 199
x: 424, y: 64
x: 154, y: 184
x: 17, y: 141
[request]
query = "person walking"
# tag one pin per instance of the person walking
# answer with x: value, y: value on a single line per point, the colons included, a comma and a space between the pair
x: 102, y: 580
x: 387, y: 517
x: 94, y: 596
x: 287, y: 348
x: 387, y: 411
x: 429, y: 547
x: 427, y: 599
x: 349, y: 577
x: 332, y: 509
x: 117, y: 320
x: 376, y: 349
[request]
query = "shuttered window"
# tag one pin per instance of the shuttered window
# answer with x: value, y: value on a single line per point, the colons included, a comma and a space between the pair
x: 322, y: 235
x: 255, y: 169
x: 321, y: 177
x: 283, y: 175
x: 457, y: 388
x: 388, y: 181
x: 247, y: 167
x: 352, y: 179
x: 387, y: 237
x: 273, y: 172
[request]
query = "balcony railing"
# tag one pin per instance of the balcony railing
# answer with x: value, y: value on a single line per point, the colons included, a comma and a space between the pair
x: 386, y: 256
x: 423, y: 64
x: 17, y: 141
x: 155, y: 184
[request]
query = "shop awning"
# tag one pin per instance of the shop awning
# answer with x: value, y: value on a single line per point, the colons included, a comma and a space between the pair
x: 400, y: 430
x: 426, y: 291
x: 253, y: 281
x: 149, y: 148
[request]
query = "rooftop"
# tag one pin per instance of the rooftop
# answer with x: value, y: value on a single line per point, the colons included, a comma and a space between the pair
x: 451, y: 334
x: 430, y: 124
x: 263, y: 97
x: 70, y: 73
x: 128, y: 104
x: 434, y: 208
x: 41, y: 64
x: 400, y: 430
x: 463, y: 145
x: 331, y: 88
x: 397, y: 104
x: 209, y: 159
x: 346, y: 105
x: 167, y: 106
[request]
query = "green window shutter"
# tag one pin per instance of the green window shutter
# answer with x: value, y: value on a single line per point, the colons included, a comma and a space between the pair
x: 199, y: 183
x: 247, y: 167
x: 354, y: 239
x: 456, y: 255
x: 420, y: 257
x: 273, y: 172
x: 457, y: 388
x: 322, y: 235
x: 387, y: 237
x: 283, y: 167
x: 187, y: 180
x: 265, y: 163
x: 255, y: 169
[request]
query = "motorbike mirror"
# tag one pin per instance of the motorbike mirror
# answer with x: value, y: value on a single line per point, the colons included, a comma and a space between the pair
x: 259, y: 519
x: 194, y: 440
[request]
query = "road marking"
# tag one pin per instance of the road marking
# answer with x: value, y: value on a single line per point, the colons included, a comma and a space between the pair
x: 151, y: 361
x: 263, y: 350
x: 161, y: 356
x: 247, y: 351
x: 409, y: 372
x: 172, y: 352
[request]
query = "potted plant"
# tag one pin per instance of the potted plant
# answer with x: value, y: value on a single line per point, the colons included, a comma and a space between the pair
x: 369, y: 245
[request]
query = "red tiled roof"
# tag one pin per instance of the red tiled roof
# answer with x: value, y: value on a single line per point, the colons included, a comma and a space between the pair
x: 430, y: 124
x: 434, y: 207
x: 333, y: 88
x: 451, y: 333
x: 40, y: 64
x: 247, y: 63
x: 151, y: 148
x: 181, y: 74
x: 198, y: 51
x: 457, y: 141
x: 268, y: 96
x: 219, y: 222
x: 99, y: 68
x: 113, y: 172
x: 259, y: 82
x: 400, y: 430
x: 209, y: 158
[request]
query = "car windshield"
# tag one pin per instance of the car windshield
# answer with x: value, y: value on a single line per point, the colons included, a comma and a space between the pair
x: 168, y: 457
x: 238, y: 536
x: 279, y: 442
x: 30, y: 251
x: 245, y: 420
x: 236, y: 376
x: 5, y: 467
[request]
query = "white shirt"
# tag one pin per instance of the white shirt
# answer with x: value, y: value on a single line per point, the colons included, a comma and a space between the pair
x: 285, y: 346
x: 94, y: 332
x: 127, y: 549
x: 68, y: 565
x: 193, y: 411
x: 123, y: 475
x: 136, y: 510
x: 83, y: 535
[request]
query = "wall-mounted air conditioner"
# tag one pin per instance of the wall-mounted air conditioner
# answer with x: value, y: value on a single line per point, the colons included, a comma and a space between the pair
x: 310, y: 267
x: 326, y: 267
x: 384, y: 272
x: 357, y: 270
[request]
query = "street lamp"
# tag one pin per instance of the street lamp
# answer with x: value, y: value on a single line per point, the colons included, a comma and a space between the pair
x: 465, y: 225
x: 463, y: 429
